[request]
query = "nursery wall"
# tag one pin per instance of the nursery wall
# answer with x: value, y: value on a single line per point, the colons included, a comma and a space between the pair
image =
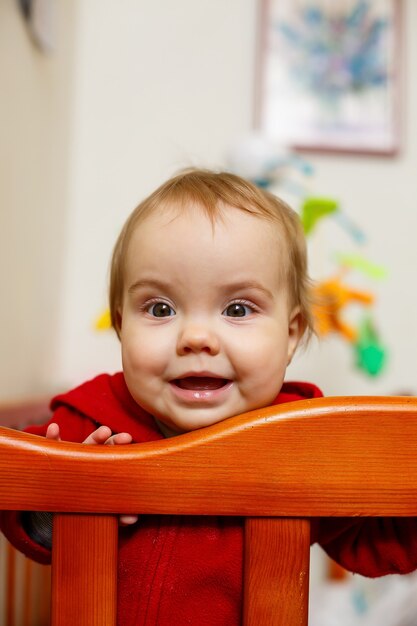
x: 378, y: 194
x: 131, y: 94
x: 35, y: 124
x: 159, y: 86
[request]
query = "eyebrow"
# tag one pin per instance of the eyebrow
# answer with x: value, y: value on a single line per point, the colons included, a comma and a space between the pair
x: 158, y: 284
x: 227, y: 288
x: 247, y: 284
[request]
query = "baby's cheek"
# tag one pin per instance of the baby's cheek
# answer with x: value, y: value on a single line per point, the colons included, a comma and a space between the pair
x: 254, y: 354
x: 261, y: 377
x: 141, y: 355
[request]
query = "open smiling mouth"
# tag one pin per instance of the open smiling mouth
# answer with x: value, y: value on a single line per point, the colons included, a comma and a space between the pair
x: 205, y: 389
x: 200, y: 383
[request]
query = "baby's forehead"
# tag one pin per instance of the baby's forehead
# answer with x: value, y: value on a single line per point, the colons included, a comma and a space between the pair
x: 216, y: 213
x: 179, y: 235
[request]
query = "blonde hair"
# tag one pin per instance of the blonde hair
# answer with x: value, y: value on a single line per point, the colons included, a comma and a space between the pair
x: 211, y: 191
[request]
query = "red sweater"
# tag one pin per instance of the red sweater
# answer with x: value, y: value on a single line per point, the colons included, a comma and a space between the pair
x: 177, y: 570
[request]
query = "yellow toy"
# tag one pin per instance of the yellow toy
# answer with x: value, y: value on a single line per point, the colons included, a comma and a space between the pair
x: 103, y: 322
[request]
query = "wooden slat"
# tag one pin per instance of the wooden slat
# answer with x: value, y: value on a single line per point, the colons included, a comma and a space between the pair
x: 277, y: 557
x: 315, y: 454
x: 11, y: 586
x: 28, y: 613
x: 84, y: 577
x: 44, y: 595
x: 30, y: 581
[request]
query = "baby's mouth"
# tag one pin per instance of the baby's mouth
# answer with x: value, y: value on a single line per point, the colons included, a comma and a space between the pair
x: 200, y: 383
x: 201, y: 389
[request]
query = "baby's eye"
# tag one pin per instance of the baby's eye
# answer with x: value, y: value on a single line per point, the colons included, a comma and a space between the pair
x: 160, y: 309
x: 237, y: 309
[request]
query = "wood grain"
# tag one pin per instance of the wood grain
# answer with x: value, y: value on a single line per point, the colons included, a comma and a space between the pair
x: 322, y: 457
x: 84, y: 570
x: 10, y: 611
x: 277, y: 558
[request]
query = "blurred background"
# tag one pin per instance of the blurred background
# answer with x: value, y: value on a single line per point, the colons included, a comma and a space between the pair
x: 99, y: 104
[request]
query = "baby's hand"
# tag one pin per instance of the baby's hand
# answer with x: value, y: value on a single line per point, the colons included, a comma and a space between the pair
x: 101, y: 436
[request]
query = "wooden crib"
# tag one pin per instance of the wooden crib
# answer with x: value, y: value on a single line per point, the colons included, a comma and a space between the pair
x: 25, y: 586
x: 314, y: 457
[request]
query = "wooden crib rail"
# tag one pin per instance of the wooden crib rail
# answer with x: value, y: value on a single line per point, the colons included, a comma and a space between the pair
x: 322, y: 457
x: 305, y: 458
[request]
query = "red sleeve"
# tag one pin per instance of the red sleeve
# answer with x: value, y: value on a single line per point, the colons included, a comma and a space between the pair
x: 73, y: 427
x: 373, y: 546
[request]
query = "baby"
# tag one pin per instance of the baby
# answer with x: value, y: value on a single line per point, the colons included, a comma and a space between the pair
x: 210, y: 298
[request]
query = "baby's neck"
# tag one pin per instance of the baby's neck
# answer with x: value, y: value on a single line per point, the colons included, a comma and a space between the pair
x: 165, y: 430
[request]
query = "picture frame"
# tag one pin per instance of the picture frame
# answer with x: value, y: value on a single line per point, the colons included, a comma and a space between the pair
x: 329, y: 75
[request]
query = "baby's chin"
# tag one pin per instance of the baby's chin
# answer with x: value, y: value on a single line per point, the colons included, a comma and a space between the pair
x: 170, y: 429
x: 186, y: 424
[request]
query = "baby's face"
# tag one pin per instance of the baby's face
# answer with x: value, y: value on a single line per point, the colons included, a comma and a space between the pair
x: 206, y: 330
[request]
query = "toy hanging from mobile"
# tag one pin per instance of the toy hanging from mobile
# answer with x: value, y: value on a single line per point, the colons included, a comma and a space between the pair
x: 279, y: 170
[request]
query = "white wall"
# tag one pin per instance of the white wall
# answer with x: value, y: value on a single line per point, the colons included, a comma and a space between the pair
x: 35, y: 116
x: 159, y: 86
x: 133, y: 92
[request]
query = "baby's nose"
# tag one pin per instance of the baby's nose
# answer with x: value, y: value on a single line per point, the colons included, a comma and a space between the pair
x: 197, y: 338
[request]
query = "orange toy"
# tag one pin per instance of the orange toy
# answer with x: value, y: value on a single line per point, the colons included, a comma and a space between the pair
x: 330, y: 298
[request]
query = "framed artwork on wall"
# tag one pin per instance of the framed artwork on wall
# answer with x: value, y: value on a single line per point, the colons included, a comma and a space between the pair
x: 329, y: 75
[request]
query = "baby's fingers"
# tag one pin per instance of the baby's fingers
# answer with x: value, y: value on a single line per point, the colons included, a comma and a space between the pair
x: 99, y: 436
x: 52, y: 432
x: 103, y: 435
x: 119, y: 439
x: 128, y: 520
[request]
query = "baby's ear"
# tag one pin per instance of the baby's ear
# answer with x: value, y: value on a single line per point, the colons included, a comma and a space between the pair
x: 118, y: 321
x: 296, y: 328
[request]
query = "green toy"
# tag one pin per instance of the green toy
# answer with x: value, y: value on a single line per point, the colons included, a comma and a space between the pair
x: 314, y: 209
x: 370, y: 353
